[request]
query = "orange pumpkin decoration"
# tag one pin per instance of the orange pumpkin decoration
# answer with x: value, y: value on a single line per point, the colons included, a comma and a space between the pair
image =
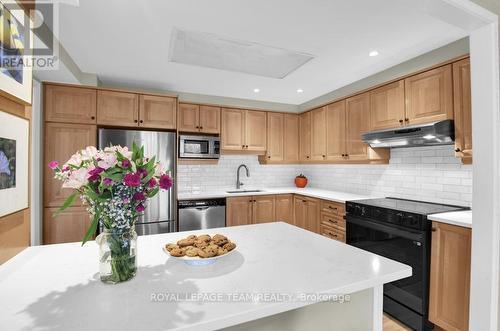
x: 301, y: 181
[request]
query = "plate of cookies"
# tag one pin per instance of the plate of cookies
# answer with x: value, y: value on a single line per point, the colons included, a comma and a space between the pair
x: 200, y: 250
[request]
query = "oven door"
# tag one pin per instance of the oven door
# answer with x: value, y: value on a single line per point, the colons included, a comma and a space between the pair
x: 410, y: 247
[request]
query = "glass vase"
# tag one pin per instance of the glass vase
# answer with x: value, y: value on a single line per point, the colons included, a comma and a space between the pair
x: 117, y: 255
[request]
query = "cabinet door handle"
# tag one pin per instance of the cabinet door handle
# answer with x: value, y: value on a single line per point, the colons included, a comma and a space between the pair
x: 401, y: 121
x: 307, y: 157
x: 407, y: 119
x: 201, y: 128
x: 457, y: 150
x: 332, y: 207
x: 324, y: 156
x: 246, y: 146
x: 135, y: 121
x: 269, y: 157
x: 197, y: 127
x: 92, y: 117
x: 141, y: 121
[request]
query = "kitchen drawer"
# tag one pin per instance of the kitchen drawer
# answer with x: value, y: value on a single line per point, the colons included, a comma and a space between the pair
x: 333, y: 221
x: 333, y: 208
x: 332, y: 233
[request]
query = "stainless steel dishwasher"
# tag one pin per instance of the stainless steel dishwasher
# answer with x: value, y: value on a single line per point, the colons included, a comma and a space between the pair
x: 202, y: 214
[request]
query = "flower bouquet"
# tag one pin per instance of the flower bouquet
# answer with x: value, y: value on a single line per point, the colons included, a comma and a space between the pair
x: 115, y: 184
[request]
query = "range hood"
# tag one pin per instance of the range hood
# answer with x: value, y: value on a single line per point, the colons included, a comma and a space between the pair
x: 432, y: 134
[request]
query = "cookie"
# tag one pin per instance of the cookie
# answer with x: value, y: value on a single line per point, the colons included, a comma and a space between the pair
x: 169, y: 247
x: 229, y: 246
x: 191, y: 251
x: 209, y: 251
x: 204, y: 237
x: 178, y: 252
x: 186, y: 242
x: 220, y: 240
x: 201, y: 243
x: 191, y: 237
x: 221, y: 251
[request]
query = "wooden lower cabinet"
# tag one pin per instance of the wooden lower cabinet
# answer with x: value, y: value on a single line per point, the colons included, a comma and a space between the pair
x: 450, y: 277
x: 239, y: 211
x: 284, y: 208
x: 306, y: 213
x: 264, y: 210
x: 69, y: 226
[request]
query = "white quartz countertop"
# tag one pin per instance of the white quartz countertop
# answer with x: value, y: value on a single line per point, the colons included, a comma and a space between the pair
x: 57, y: 287
x: 460, y: 218
x: 337, y: 196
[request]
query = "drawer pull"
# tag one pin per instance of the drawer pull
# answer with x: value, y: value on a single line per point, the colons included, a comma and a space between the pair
x: 332, y: 207
x: 332, y: 221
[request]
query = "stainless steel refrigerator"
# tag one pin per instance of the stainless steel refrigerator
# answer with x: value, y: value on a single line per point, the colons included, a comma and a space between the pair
x: 161, y: 211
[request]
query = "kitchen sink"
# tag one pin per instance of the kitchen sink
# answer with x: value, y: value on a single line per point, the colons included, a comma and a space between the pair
x: 245, y: 191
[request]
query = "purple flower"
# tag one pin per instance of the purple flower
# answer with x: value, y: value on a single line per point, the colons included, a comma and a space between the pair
x: 94, y: 174
x: 125, y: 200
x: 53, y: 165
x: 125, y: 163
x: 152, y: 183
x: 143, y: 172
x: 140, y: 208
x: 139, y: 196
x: 165, y: 182
x: 132, y: 180
x: 107, y: 181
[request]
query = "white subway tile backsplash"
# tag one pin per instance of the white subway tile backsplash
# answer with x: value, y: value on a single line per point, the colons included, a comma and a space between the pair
x: 420, y: 173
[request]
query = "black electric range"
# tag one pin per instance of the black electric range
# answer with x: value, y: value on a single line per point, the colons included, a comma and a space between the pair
x: 399, y: 230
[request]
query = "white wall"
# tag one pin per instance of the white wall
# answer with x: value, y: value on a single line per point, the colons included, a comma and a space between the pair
x: 420, y: 173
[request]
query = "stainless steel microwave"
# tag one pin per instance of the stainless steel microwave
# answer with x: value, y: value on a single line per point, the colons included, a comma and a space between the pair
x: 199, y: 147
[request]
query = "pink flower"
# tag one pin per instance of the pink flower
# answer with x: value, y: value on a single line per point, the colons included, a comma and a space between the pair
x: 143, y: 172
x: 76, y: 179
x: 53, y: 165
x: 152, y: 183
x: 125, y: 164
x: 159, y: 169
x: 165, y: 182
x: 132, y: 180
x: 107, y: 181
x: 66, y: 168
x: 139, y: 196
x: 140, y: 208
x: 125, y: 200
x: 108, y: 160
x: 94, y: 174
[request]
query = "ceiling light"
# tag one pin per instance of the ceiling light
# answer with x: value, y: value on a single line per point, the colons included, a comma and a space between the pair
x: 373, y: 53
x: 300, y: 90
x: 256, y: 90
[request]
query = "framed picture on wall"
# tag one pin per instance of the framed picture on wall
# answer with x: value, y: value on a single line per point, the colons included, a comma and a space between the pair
x: 15, y: 52
x: 14, y: 159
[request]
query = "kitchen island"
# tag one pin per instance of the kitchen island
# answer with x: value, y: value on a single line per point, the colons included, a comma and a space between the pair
x: 280, y: 277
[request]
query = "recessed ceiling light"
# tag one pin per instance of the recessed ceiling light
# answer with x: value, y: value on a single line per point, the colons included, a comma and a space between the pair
x: 256, y: 90
x: 373, y: 53
x: 300, y: 90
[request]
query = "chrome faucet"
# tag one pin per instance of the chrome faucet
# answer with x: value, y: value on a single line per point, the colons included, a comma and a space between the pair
x: 238, y: 182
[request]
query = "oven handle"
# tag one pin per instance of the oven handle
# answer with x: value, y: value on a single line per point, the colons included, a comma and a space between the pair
x: 417, y: 236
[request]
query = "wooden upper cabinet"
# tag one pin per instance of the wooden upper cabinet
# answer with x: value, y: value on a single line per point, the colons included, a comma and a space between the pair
x: 239, y: 211
x: 117, y: 108
x: 357, y: 123
x: 429, y: 96
x: 335, y: 131
x: 318, y: 134
x: 450, y: 276
x: 275, y: 136
x: 233, y: 129
x: 157, y: 112
x: 209, y: 119
x: 291, y: 138
x: 264, y: 209
x: 61, y: 142
x: 284, y: 208
x: 255, y: 130
x: 70, y: 225
x: 462, y: 110
x: 189, y: 117
x: 388, y: 106
x: 305, y: 136
x: 199, y: 118
x: 70, y: 104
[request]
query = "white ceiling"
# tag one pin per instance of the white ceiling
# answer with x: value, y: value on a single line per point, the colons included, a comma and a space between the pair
x: 126, y: 42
